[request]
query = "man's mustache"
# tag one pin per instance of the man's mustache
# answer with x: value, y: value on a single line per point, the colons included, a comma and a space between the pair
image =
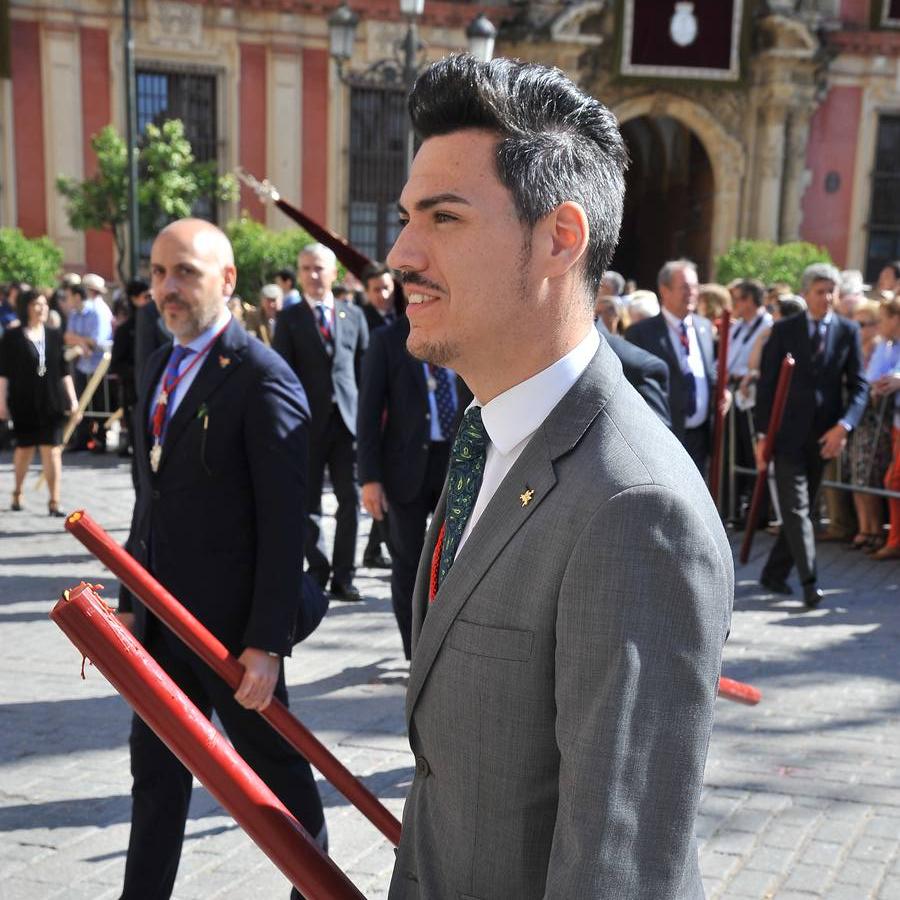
x: 414, y: 278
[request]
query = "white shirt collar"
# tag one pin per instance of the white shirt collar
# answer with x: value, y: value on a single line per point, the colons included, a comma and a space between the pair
x: 825, y: 320
x: 327, y: 301
x: 517, y: 413
x: 674, y: 321
x: 202, y: 339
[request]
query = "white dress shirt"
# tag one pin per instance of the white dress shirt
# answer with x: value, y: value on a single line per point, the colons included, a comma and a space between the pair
x: 742, y: 339
x: 511, y: 418
x: 692, y: 362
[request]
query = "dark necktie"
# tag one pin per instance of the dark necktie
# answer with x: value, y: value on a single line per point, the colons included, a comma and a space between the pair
x: 690, y: 406
x: 443, y: 396
x: 815, y: 339
x: 467, y: 459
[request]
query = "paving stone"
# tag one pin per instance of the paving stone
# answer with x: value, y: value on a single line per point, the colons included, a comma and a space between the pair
x: 801, y: 796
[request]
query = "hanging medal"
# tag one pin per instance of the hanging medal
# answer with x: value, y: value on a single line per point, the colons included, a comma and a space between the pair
x: 159, y: 420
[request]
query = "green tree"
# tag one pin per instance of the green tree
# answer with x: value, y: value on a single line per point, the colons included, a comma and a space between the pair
x: 259, y: 252
x: 170, y: 183
x: 768, y: 261
x: 35, y: 260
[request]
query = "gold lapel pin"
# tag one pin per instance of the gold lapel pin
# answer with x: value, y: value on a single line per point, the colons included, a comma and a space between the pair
x: 224, y: 361
x: 526, y: 496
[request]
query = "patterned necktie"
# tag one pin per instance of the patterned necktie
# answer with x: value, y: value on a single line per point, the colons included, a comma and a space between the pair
x: 324, y: 325
x: 446, y: 406
x: 690, y: 406
x: 163, y: 410
x: 467, y: 459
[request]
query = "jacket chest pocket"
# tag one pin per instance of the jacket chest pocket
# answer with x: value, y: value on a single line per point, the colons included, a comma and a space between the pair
x: 489, y: 641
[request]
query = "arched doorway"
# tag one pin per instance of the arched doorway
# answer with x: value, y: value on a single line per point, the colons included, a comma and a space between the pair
x: 669, y: 199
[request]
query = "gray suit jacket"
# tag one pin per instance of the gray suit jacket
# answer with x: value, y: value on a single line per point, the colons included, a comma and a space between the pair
x: 562, y: 683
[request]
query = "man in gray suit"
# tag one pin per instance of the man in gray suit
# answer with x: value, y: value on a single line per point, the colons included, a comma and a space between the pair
x: 575, y: 589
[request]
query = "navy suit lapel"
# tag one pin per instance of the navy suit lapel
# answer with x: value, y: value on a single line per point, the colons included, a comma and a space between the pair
x: 664, y: 342
x: 223, y: 358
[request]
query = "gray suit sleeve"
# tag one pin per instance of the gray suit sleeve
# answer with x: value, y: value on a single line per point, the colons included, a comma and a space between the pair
x: 644, y: 609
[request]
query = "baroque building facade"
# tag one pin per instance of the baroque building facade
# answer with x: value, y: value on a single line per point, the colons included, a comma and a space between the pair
x: 796, y: 135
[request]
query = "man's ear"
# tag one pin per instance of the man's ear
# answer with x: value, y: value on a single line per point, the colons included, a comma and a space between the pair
x: 566, y: 232
x: 229, y: 276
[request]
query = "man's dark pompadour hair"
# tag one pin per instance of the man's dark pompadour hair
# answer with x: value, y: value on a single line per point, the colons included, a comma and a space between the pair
x: 555, y: 143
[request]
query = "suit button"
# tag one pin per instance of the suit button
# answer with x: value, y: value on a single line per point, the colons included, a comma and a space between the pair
x: 422, y: 767
x: 156, y: 495
x: 425, y: 446
x: 427, y: 417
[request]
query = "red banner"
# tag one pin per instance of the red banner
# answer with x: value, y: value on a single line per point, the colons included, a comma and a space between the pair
x: 685, y: 40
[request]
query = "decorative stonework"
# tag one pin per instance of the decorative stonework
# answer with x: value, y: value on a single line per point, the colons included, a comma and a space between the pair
x: 175, y: 24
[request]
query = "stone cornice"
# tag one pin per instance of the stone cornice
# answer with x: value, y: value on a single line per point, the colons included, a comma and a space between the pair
x: 866, y: 43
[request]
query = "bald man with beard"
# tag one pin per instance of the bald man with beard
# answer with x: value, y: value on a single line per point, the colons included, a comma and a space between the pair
x: 221, y: 455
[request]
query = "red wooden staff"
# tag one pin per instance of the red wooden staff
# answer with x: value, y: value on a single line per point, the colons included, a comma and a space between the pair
x: 715, y: 465
x: 214, y: 653
x: 354, y: 260
x: 781, y: 392
x: 739, y: 692
x: 93, y: 628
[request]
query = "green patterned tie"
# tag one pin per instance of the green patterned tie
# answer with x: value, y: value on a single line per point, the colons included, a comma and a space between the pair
x: 467, y: 460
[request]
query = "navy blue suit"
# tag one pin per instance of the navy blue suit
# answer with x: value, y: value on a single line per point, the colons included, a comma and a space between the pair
x: 646, y: 373
x: 221, y: 526
x: 394, y: 448
x: 330, y: 382
x: 652, y: 335
x: 825, y: 388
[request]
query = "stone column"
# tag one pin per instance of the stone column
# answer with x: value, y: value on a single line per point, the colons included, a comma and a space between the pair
x: 770, y: 169
x: 796, y: 175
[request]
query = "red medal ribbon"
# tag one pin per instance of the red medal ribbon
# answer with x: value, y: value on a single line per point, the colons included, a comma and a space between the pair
x: 436, y: 564
x: 159, y: 413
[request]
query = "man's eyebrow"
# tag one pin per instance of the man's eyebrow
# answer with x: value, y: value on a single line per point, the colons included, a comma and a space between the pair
x: 427, y: 203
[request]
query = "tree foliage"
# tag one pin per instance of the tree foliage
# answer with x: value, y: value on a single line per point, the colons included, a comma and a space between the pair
x: 259, y: 252
x: 170, y: 182
x: 768, y: 261
x: 34, y: 260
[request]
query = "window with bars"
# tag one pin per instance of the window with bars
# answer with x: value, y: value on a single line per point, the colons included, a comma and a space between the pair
x: 190, y: 96
x: 377, y: 167
x: 884, y: 215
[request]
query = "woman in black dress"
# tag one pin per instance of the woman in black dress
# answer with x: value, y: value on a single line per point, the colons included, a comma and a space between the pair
x: 36, y: 393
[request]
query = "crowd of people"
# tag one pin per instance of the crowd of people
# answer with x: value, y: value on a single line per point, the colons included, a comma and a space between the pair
x: 842, y: 410
x: 494, y: 376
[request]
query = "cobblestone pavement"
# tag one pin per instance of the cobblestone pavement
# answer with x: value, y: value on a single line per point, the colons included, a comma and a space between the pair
x: 802, y: 795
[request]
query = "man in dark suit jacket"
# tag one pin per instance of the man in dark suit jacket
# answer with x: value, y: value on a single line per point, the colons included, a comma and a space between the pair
x: 827, y: 398
x: 323, y: 341
x: 646, y: 373
x: 219, y: 522
x: 403, y: 450
x: 684, y: 341
x: 380, y: 310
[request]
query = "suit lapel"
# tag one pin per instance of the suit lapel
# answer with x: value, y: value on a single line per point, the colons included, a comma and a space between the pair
x: 664, y: 342
x: 505, y: 514
x: 223, y: 358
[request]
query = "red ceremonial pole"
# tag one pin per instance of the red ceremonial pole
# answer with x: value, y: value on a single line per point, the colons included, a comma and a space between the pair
x: 214, y: 653
x: 781, y: 392
x: 715, y: 465
x: 93, y: 628
x: 739, y: 692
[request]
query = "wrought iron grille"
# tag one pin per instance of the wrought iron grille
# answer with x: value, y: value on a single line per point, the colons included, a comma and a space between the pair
x: 377, y: 167
x: 884, y: 216
x: 190, y: 96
